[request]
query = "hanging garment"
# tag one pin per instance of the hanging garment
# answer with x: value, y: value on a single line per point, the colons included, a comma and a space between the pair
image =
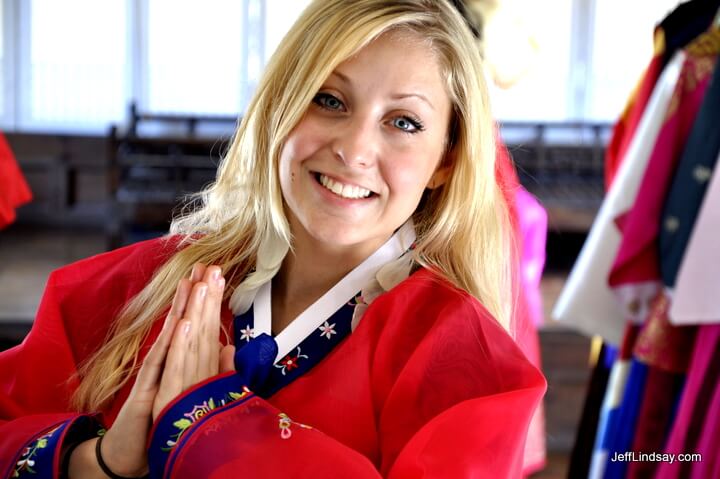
x: 697, y: 423
x: 530, y: 226
x: 635, y: 274
x: 685, y: 23
x: 427, y: 383
x: 622, y: 425
x: 621, y: 359
x: 665, y: 350
x: 14, y: 191
x: 625, y: 128
x: 582, y: 450
x: 586, y: 301
x: 656, y: 415
x: 680, y: 27
x: 690, y: 183
x: 696, y: 299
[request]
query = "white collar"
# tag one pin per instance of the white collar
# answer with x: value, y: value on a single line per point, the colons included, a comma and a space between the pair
x: 318, y: 312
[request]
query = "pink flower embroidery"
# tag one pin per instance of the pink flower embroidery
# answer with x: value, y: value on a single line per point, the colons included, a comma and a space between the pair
x: 327, y: 330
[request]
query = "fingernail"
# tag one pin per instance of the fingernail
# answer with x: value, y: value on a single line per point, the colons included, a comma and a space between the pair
x: 215, y: 274
x: 186, y: 328
x: 202, y: 290
x: 194, y: 274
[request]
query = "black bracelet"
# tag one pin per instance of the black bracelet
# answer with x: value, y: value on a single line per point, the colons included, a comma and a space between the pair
x: 64, y: 470
x: 105, y: 468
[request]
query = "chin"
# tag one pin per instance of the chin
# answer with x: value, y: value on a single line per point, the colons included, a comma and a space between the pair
x: 339, y: 237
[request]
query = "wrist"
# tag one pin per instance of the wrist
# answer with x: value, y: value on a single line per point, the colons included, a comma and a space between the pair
x: 111, y: 471
x: 82, y: 463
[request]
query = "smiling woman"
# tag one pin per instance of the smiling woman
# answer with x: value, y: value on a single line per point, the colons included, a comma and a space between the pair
x: 357, y: 252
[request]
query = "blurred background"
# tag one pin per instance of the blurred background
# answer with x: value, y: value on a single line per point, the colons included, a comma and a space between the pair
x: 114, y: 110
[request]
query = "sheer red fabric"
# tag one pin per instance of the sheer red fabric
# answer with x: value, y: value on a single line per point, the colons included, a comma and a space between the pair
x: 428, y: 385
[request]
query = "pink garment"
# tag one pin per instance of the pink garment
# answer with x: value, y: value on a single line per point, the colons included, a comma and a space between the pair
x: 709, y: 442
x: 533, y: 226
x: 636, y: 260
x: 697, y: 293
x: 532, y: 223
x: 693, y: 428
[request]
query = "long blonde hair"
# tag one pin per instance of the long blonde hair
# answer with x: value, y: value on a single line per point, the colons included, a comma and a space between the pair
x: 463, y: 227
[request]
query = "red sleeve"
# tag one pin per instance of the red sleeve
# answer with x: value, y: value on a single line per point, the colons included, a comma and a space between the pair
x: 37, y: 378
x: 478, y: 438
x: 460, y: 404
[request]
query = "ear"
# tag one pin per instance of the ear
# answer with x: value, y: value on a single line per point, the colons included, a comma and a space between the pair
x: 442, y: 172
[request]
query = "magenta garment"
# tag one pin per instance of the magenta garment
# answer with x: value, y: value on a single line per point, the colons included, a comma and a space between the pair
x: 709, y: 444
x: 636, y: 260
x: 698, y: 419
x: 532, y: 219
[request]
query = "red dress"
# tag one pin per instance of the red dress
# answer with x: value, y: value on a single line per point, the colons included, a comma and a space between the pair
x: 427, y: 385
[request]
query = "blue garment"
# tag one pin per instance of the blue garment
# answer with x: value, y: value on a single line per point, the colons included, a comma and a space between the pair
x: 622, y: 421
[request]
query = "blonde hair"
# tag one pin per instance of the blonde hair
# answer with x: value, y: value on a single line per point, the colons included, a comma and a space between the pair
x: 463, y: 226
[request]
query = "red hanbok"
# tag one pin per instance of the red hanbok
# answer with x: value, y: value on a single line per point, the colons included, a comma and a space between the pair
x: 428, y: 384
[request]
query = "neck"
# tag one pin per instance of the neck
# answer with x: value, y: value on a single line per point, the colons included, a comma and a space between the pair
x: 309, y: 271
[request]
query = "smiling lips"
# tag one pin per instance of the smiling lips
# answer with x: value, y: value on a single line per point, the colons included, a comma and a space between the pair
x: 343, y: 190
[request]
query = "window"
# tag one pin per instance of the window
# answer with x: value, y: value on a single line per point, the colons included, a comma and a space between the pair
x: 73, y: 64
x: 193, y: 56
x: 534, y: 37
x: 281, y: 14
x: 590, y: 55
x: 622, y: 46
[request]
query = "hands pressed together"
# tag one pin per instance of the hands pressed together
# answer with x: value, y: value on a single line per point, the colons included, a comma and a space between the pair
x: 186, y: 352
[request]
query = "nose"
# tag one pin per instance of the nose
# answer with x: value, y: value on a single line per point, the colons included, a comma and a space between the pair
x: 355, y: 142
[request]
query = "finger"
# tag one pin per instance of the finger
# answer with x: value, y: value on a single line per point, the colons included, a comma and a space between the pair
x: 227, y: 358
x: 194, y: 315
x: 179, y: 303
x: 209, y: 329
x: 171, y: 383
x: 198, y: 271
x: 151, y: 369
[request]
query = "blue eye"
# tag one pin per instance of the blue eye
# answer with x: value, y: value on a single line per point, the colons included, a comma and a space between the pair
x: 407, y: 124
x: 328, y: 101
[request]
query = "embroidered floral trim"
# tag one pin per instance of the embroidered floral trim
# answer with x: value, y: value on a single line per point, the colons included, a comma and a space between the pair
x: 25, y: 463
x: 247, y: 334
x: 284, y: 423
x: 327, y: 330
x: 197, y: 412
x: 290, y: 362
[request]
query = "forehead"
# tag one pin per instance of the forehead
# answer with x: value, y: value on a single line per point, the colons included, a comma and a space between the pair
x: 397, y: 59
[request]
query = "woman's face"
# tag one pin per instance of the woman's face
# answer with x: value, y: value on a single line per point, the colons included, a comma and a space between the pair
x: 354, y: 168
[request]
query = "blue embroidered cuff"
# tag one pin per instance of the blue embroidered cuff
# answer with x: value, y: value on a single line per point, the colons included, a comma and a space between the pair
x: 43, y: 456
x: 186, y: 411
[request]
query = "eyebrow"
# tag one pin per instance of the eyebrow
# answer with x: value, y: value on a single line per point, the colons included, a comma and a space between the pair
x: 400, y: 96
x: 397, y: 96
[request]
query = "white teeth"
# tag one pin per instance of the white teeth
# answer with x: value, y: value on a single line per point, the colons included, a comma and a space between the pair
x: 346, y: 191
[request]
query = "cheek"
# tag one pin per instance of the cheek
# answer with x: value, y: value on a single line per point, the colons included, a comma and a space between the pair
x: 408, y: 176
x: 302, y: 142
x: 293, y: 151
